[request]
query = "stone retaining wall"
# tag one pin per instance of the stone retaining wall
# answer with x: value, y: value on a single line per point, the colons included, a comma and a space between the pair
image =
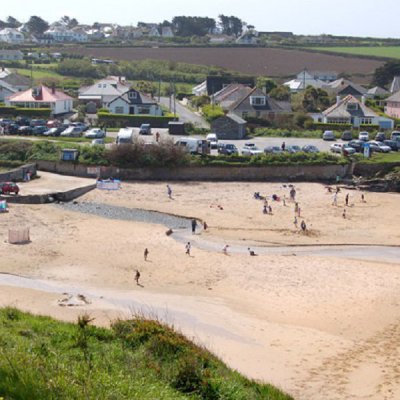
x: 18, y: 174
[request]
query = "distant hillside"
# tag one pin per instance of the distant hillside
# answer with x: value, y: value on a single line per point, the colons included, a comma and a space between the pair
x: 42, y: 359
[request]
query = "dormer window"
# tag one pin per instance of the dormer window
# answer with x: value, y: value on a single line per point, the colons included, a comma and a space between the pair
x: 132, y: 95
x: 258, y: 100
x: 352, y: 106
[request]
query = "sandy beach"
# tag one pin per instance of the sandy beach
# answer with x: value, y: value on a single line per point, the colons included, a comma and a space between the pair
x: 318, y: 326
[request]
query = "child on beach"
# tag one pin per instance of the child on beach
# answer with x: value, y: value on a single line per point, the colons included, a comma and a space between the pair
x: 137, y: 277
x: 146, y: 253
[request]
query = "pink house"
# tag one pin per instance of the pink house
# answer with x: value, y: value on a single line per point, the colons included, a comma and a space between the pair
x: 392, y: 108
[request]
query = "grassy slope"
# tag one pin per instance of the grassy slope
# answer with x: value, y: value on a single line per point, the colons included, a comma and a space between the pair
x: 381, y: 51
x: 41, y: 358
x: 377, y: 158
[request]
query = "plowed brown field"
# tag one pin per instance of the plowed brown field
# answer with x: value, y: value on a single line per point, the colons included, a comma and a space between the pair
x: 255, y: 61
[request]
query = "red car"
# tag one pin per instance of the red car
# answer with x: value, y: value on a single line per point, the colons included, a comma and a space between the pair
x: 9, y: 187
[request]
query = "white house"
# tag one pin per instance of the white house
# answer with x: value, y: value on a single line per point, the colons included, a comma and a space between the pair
x: 153, y: 32
x: 135, y: 103
x: 42, y: 97
x: 166, y: 32
x: 63, y: 34
x: 10, y: 35
x: 11, y: 55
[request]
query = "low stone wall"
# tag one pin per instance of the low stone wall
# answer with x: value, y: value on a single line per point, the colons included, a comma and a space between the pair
x: 211, y: 173
x: 49, y: 197
x: 18, y: 174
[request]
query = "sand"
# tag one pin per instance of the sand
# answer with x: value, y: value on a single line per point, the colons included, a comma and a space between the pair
x: 320, y: 327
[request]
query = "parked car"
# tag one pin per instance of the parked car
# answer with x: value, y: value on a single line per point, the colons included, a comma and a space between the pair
x: 72, y: 131
x: 39, y: 129
x: 347, y: 135
x: 54, y: 131
x: 227, y: 148
x: 145, y: 129
x: 98, y: 142
x: 393, y: 144
x: 379, y: 147
x: 250, y: 149
x: 9, y: 187
x: 293, y: 148
x: 212, y: 138
x: 37, y: 122
x: 81, y: 125
x: 310, y: 148
x: 357, y: 145
x: 5, y: 122
x: 336, y: 147
x: 23, y: 121
x: 272, y: 150
x: 328, y: 135
x: 364, y: 136
x: 380, y: 136
x: 11, y: 129
x: 53, y: 123
x: 25, y: 130
x: 95, y: 133
x: 395, y: 135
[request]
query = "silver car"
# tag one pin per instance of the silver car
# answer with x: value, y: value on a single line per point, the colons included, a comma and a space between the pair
x: 250, y: 149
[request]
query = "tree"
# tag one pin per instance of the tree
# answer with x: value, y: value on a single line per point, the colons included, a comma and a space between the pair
x: 266, y: 83
x: 193, y: 26
x: 231, y: 25
x: 37, y: 25
x: 13, y: 22
x: 315, y: 100
x: 385, y: 74
x: 69, y: 22
x: 281, y: 93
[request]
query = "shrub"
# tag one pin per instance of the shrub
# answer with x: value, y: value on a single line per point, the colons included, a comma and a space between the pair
x: 123, y: 120
x: 92, y: 155
x: 212, y: 112
x: 15, y: 151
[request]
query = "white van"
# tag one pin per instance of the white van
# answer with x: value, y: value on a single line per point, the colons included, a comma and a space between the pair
x: 125, y: 136
x: 194, y: 146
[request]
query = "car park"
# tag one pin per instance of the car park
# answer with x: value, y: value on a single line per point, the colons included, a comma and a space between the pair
x: 250, y: 149
x: 393, y: 144
x: 380, y: 136
x: 310, y: 148
x: 347, y: 135
x: 8, y: 188
x: 272, y: 150
x: 328, y: 135
x: 373, y: 146
x: 95, y: 133
x: 25, y: 130
x: 212, y: 138
x: 5, y: 122
x: 364, y: 136
x: 81, y: 125
x: 56, y: 131
x: 145, y: 129
x: 39, y: 129
x: 23, y: 121
x: 11, y: 129
x: 227, y: 148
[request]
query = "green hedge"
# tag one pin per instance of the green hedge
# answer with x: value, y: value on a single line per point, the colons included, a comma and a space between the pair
x: 331, y: 127
x: 8, y: 111
x: 124, y: 120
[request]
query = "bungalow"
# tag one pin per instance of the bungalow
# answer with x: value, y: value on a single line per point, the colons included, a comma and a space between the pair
x: 166, y: 32
x: 133, y: 102
x: 42, y: 97
x: 304, y: 79
x: 63, y: 34
x: 393, y: 105
x: 230, y: 94
x: 6, y: 90
x: 10, y: 35
x: 11, y: 55
x: 17, y: 81
x: 256, y: 103
x: 352, y: 111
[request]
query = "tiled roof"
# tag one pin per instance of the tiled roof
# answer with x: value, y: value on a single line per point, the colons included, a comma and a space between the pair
x: 46, y: 96
x: 340, y: 109
x: 394, y: 97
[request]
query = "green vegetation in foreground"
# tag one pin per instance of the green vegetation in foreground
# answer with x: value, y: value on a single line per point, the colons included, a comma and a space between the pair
x: 378, y: 51
x: 382, y: 158
x: 42, y: 359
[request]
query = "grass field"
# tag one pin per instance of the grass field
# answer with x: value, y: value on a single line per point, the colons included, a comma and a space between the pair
x: 381, y: 51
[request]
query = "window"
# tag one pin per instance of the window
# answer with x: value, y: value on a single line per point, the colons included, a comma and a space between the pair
x: 99, y: 85
x: 143, y: 110
x: 119, y: 110
x: 352, y: 106
x: 366, y: 121
x: 257, y: 100
x: 104, y: 85
x: 245, y: 114
x: 132, y: 95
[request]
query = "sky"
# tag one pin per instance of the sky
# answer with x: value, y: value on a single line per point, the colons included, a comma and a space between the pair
x: 340, y: 17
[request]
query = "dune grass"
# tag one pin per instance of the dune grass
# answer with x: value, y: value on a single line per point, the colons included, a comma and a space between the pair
x: 44, y: 359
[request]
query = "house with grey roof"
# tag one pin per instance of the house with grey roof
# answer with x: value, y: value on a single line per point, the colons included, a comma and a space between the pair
x: 11, y: 55
x: 305, y: 78
x: 6, y: 90
x: 257, y: 104
x: 352, y: 111
x: 344, y: 87
x: 230, y: 94
x: 229, y: 127
x: 11, y: 35
x: 134, y: 102
x: 17, y: 81
x: 377, y: 91
x: 392, y: 107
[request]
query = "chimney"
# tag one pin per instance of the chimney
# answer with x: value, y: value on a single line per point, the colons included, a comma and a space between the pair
x: 53, y: 88
x: 363, y: 100
x: 337, y: 99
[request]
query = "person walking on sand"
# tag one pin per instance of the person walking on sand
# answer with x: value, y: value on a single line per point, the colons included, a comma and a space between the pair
x: 292, y: 194
x: 251, y: 252
x: 137, y: 277
x: 334, y: 202
x: 194, y: 226
x: 145, y: 254
x: 225, y: 249
x: 363, y: 198
x: 169, y: 191
x: 295, y: 222
x: 299, y: 212
x: 347, y: 200
x: 205, y: 226
x: 265, y: 211
x: 188, y: 247
x: 303, y: 226
x: 344, y: 214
